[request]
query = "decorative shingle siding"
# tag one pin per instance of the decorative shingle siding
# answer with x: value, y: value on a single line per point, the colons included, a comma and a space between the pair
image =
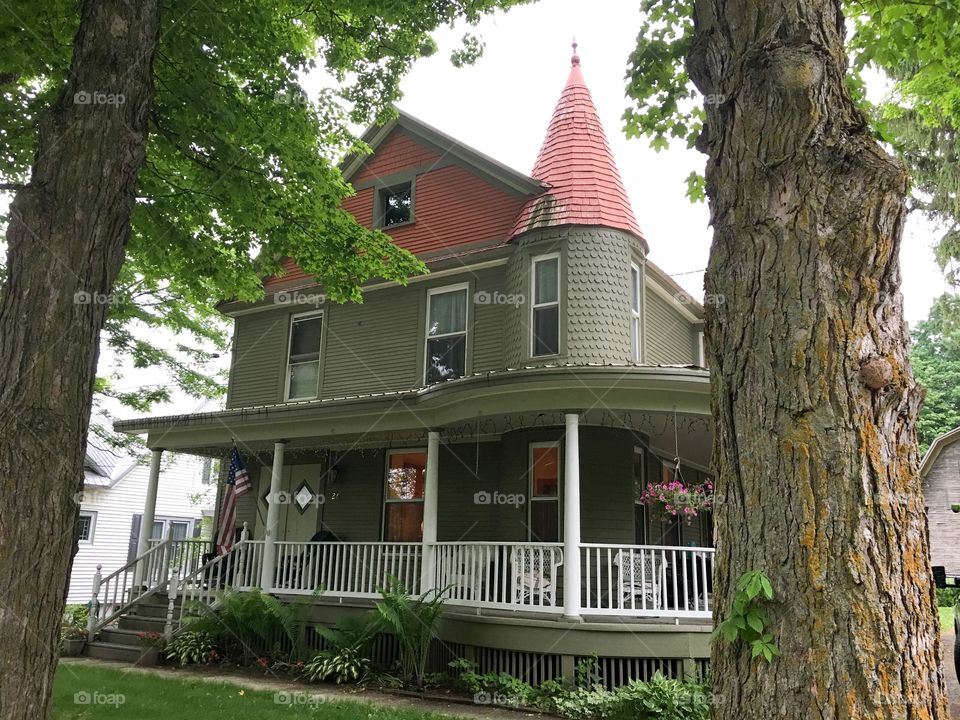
x: 594, y: 295
x: 598, y: 296
x: 941, y: 489
x: 670, y: 337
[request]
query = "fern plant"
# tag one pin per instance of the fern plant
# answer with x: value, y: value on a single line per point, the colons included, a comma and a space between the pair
x: 413, y: 622
x: 247, y: 624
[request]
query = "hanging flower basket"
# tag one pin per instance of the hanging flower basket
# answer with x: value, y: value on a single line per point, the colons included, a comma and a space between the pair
x: 677, y: 499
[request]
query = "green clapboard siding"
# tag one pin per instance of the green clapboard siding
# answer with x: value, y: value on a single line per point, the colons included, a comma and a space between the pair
x: 670, y: 337
x: 259, y: 354
x: 374, y: 346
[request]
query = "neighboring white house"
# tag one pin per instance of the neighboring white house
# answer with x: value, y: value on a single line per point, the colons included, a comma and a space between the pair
x: 114, y: 490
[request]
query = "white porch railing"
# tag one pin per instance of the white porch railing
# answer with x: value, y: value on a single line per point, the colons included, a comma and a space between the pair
x: 510, y: 576
x: 346, y: 569
x: 186, y: 555
x: 626, y: 580
x: 647, y: 580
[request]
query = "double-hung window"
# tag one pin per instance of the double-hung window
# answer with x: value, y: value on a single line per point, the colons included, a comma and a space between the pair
x: 403, y: 499
x: 635, y: 327
x: 545, y: 320
x: 303, y: 356
x: 85, y: 525
x: 545, y: 492
x: 446, y: 354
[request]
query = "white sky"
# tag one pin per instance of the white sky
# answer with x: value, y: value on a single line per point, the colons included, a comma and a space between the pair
x: 502, y: 106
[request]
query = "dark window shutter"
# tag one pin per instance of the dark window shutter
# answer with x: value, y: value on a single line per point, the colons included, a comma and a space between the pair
x: 196, y: 527
x: 134, y: 537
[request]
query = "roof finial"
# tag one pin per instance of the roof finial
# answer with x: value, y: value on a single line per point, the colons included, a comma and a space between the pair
x: 575, y: 60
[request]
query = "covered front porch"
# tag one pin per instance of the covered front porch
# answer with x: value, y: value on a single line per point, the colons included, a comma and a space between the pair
x: 511, y: 506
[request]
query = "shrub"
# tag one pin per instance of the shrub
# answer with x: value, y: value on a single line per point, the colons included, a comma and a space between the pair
x: 73, y: 626
x: 343, y: 665
x: 413, y: 621
x: 660, y: 698
x: 344, y: 658
x: 193, y: 646
x: 946, y: 597
x: 248, y: 624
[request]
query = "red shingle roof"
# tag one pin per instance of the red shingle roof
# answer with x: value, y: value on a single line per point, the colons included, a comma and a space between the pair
x: 576, y: 162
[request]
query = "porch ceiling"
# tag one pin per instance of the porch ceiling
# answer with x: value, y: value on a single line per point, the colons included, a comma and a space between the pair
x: 636, y: 397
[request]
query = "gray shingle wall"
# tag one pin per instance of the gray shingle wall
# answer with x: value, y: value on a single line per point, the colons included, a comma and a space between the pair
x: 941, y: 489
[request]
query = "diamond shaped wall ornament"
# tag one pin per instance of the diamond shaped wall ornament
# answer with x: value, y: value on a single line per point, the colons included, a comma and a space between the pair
x: 303, y: 497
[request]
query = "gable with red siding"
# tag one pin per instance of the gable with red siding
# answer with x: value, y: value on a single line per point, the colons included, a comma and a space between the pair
x: 398, y: 153
x: 453, y: 205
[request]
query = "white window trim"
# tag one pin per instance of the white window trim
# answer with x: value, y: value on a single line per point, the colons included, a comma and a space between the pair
x: 642, y: 452
x: 636, y: 314
x: 701, y: 350
x: 286, y: 366
x: 380, y: 210
x: 545, y: 498
x: 386, y: 495
x: 92, y: 514
x: 427, y: 337
x: 534, y: 306
x: 191, y: 524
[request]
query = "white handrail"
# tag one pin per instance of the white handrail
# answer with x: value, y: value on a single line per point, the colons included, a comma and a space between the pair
x: 128, y: 585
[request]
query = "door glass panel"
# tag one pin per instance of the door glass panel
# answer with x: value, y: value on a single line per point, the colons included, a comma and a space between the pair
x: 405, y: 476
x: 546, y: 471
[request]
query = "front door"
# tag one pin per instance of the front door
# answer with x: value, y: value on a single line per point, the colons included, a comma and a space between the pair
x: 300, y: 502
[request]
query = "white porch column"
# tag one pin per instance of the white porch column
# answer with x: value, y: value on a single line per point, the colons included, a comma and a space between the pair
x: 149, y: 510
x: 273, y: 519
x: 430, y: 493
x: 571, y: 518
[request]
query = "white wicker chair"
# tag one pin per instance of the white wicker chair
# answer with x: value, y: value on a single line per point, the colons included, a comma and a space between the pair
x: 640, y: 574
x: 534, y: 570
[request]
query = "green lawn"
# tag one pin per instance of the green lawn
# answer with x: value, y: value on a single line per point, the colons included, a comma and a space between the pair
x: 91, y: 692
x: 946, y: 618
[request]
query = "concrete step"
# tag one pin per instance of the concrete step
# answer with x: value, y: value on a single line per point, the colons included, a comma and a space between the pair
x: 131, y: 654
x: 141, y: 622
x: 152, y: 608
x: 121, y: 636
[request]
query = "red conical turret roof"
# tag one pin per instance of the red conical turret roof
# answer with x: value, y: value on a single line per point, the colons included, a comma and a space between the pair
x: 576, y: 163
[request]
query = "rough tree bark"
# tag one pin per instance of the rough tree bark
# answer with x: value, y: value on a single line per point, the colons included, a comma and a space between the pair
x: 66, y: 239
x: 813, y: 398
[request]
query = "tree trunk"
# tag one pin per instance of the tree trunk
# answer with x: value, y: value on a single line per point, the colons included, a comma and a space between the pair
x: 813, y: 398
x: 66, y: 238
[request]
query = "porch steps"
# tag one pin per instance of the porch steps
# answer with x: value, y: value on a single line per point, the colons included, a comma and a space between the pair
x: 121, y: 642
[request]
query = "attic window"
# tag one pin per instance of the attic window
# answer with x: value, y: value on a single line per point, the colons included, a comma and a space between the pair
x: 396, y: 205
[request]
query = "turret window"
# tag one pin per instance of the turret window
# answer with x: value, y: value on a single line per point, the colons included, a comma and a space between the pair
x: 635, y: 325
x: 545, y: 320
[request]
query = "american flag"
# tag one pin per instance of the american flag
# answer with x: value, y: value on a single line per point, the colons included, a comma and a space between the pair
x: 238, y: 483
